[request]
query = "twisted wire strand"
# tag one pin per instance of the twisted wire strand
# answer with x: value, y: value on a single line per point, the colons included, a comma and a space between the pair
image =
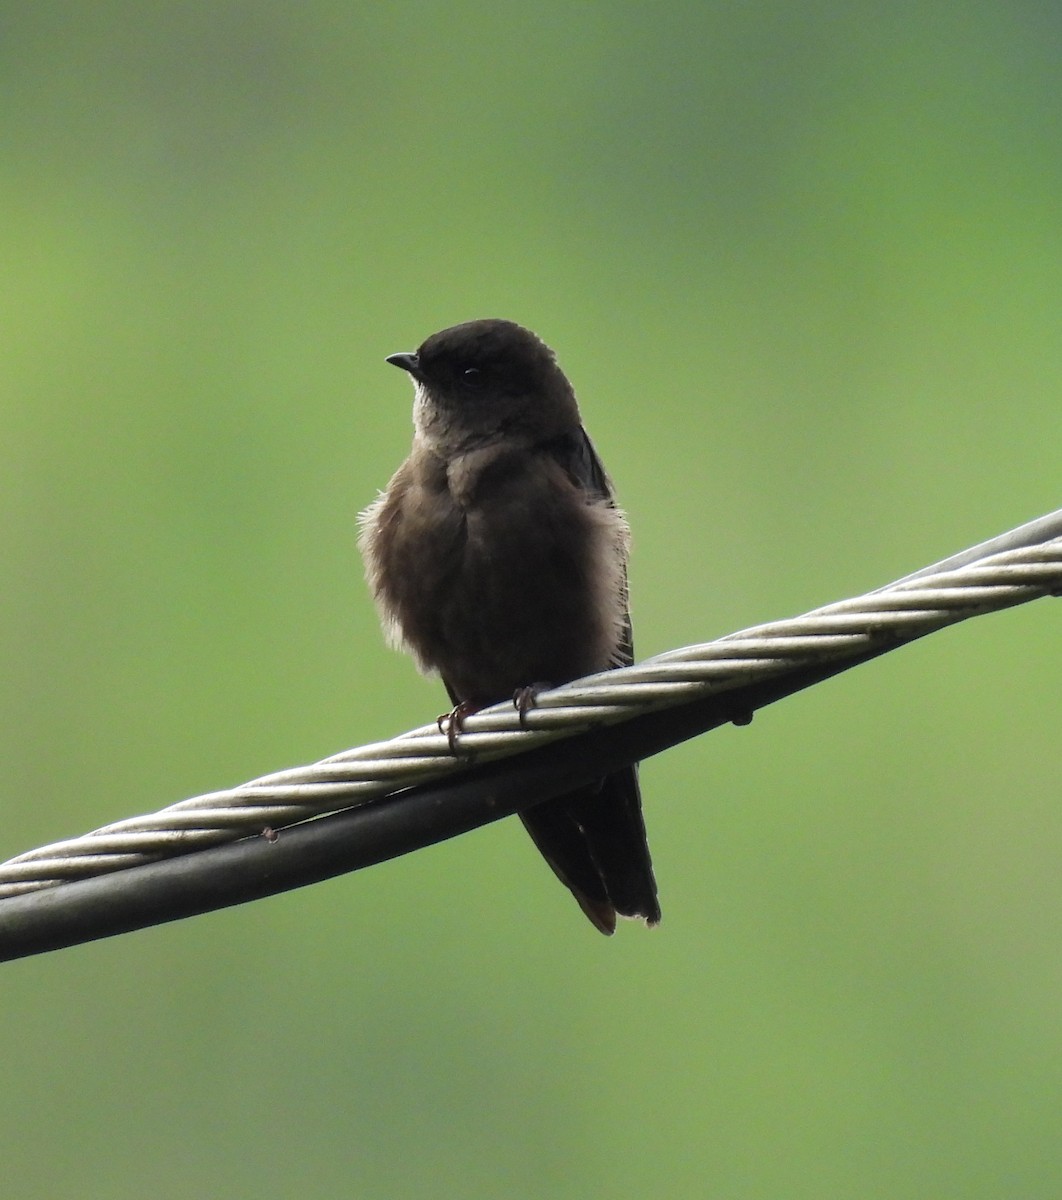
x: 931, y: 599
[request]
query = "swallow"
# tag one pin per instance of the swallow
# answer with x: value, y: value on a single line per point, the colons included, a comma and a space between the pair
x: 497, y: 557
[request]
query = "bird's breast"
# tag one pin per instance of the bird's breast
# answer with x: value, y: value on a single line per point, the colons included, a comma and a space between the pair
x: 502, y: 574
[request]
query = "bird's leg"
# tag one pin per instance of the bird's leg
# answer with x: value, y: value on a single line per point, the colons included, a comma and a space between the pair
x: 452, y: 722
x: 526, y: 697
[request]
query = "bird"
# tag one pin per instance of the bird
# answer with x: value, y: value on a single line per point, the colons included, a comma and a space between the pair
x: 497, y: 556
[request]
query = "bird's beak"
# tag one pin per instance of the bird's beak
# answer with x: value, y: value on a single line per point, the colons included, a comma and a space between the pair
x: 408, y: 362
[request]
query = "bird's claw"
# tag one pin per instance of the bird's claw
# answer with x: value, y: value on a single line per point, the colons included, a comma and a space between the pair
x: 451, y: 723
x: 525, y: 698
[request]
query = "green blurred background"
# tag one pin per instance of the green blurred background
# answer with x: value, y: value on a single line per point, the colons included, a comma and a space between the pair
x: 804, y: 265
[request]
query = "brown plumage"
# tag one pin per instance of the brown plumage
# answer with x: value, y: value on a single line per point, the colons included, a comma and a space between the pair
x: 498, y: 558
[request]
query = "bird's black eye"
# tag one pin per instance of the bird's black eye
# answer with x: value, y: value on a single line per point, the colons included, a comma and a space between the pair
x: 472, y: 376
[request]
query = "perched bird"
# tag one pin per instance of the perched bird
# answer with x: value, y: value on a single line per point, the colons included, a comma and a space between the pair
x: 498, y: 558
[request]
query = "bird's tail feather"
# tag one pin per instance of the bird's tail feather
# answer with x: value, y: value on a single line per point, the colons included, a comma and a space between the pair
x: 594, y: 839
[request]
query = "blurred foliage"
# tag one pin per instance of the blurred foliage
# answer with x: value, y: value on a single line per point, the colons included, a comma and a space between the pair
x: 803, y: 265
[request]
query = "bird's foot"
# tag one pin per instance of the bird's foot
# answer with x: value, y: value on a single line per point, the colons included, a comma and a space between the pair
x: 452, y: 722
x: 525, y: 698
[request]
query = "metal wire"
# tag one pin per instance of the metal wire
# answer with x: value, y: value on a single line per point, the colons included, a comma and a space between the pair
x: 1019, y: 566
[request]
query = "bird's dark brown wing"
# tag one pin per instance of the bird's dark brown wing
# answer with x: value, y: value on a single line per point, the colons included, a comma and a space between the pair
x: 576, y: 455
x: 594, y: 838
